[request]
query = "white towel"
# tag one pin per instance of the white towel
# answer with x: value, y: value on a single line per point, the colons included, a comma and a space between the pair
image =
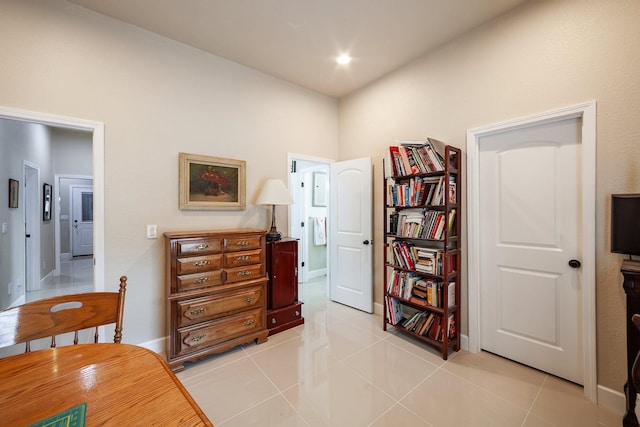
x: 319, y: 231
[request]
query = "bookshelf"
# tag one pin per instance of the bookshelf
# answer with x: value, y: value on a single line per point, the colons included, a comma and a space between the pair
x: 422, y: 242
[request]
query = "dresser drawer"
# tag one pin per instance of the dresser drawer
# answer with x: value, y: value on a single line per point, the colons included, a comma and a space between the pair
x: 284, y: 315
x: 200, y: 246
x: 200, y: 336
x: 243, y: 243
x: 237, y: 259
x: 208, y: 308
x: 243, y: 273
x: 198, y: 281
x: 198, y: 264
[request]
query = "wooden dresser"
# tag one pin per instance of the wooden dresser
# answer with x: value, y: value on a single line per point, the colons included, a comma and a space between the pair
x: 216, y: 292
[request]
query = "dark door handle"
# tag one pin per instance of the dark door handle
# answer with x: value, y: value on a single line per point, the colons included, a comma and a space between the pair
x: 574, y: 263
x: 366, y: 242
x: 27, y: 235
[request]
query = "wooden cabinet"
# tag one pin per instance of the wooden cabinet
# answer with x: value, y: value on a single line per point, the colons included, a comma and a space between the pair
x: 216, y: 292
x: 422, y: 243
x: 284, y: 309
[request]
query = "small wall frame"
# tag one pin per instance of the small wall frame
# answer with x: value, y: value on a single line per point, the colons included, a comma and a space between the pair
x: 211, y: 183
x: 14, y: 190
x: 46, y: 202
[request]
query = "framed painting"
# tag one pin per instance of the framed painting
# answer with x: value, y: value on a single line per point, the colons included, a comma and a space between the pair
x: 13, y: 193
x: 211, y: 183
x: 46, y: 202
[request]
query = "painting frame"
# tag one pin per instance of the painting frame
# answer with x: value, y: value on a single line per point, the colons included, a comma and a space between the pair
x: 14, y: 190
x: 211, y: 183
x: 46, y: 202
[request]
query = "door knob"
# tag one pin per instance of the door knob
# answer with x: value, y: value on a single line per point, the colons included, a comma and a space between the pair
x: 574, y: 263
x: 366, y: 242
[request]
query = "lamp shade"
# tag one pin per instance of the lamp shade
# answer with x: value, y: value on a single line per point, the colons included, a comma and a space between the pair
x: 274, y: 193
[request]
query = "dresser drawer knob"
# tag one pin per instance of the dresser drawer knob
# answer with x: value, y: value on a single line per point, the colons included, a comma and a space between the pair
x: 243, y: 243
x: 201, y: 280
x: 250, y: 299
x: 197, y: 311
x: 273, y: 321
x: 297, y: 313
x: 249, y: 322
x: 202, y: 247
x: 197, y: 339
x: 244, y: 273
x: 201, y: 263
x: 243, y: 258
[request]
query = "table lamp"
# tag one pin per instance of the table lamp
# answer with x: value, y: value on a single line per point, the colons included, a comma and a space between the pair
x: 274, y: 193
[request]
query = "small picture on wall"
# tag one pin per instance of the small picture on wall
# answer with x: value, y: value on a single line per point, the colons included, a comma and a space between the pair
x: 46, y: 202
x: 211, y: 183
x: 13, y: 193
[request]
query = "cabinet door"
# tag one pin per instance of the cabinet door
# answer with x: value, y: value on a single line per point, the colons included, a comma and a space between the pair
x: 283, y: 273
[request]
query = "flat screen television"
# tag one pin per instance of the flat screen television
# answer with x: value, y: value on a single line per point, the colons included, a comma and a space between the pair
x: 625, y: 224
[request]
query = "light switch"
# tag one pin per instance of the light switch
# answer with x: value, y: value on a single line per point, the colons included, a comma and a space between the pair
x: 4, y: 228
x: 152, y: 231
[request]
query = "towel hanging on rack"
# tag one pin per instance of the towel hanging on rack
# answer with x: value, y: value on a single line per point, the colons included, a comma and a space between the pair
x: 319, y: 231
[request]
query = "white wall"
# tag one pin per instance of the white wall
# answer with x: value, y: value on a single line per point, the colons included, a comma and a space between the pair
x: 542, y: 56
x: 156, y: 98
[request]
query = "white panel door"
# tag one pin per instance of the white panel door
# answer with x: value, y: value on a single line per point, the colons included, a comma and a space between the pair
x: 82, y: 220
x: 350, y: 233
x: 530, y: 226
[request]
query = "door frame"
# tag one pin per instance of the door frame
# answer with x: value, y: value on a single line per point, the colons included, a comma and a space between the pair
x: 71, y: 212
x: 300, y: 210
x: 97, y: 132
x: 56, y: 192
x: 587, y: 112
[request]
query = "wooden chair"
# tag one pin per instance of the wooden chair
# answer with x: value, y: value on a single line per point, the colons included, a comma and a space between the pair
x: 58, y: 315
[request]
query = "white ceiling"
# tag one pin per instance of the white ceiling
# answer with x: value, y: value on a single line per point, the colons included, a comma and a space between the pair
x: 298, y: 40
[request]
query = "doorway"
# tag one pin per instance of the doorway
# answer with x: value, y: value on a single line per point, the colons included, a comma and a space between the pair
x: 308, y: 213
x: 81, y: 220
x: 541, y: 146
x: 96, y: 130
x: 31, y: 227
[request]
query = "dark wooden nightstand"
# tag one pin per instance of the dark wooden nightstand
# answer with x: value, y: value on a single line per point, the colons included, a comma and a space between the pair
x: 284, y: 311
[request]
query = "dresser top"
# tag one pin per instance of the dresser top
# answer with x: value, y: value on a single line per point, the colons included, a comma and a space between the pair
x: 206, y: 233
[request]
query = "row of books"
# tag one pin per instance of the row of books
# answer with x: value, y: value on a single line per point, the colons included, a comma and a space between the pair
x: 419, y: 290
x: 424, y: 260
x: 431, y: 325
x: 415, y: 157
x: 419, y: 191
x: 421, y: 223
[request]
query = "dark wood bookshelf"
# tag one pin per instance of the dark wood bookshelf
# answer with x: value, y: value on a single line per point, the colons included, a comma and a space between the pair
x: 448, y: 252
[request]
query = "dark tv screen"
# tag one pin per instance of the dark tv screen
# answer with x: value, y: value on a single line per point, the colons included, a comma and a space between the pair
x: 625, y: 224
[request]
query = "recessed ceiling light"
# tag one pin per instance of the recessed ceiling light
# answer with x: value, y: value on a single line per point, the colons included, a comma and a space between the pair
x: 343, y: 59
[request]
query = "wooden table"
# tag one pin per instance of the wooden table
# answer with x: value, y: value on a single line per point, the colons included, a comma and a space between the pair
x: 121, y: 384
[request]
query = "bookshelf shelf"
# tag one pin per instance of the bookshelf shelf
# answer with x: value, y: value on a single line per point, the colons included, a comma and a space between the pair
x: 421, y: 242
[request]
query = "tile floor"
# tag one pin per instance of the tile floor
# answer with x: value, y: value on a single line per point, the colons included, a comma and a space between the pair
x: 341, y: 369
x: 76, y: 276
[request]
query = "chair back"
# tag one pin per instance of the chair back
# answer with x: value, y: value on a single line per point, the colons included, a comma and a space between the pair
x: 62, y: 314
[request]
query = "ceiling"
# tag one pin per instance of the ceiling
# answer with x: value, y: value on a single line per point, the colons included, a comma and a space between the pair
x: 298, y: 40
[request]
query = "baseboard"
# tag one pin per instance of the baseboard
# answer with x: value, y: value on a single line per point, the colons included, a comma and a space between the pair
x: 613, y: 400
x: 65, y: 257
x: 316, y: 273
x: 157, y: 345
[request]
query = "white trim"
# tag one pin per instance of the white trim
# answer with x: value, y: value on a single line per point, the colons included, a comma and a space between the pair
x: 97, y: 130
x: 31, y: 216
x: 612, y: 399
x: 588, y: 113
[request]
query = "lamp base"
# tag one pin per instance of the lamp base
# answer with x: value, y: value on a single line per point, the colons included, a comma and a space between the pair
x: 273, y: 235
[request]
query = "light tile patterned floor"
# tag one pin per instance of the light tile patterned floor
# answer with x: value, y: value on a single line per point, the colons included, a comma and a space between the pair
x: 341, y: 369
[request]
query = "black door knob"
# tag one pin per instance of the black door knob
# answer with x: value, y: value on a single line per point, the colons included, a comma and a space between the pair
x: 574, y: 263
x: 366, y: 242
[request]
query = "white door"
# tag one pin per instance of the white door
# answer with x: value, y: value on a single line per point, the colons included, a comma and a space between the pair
x: 81, y: 220
x: 31, y: 227
x: 530, y: 225
x: 350, y: 233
